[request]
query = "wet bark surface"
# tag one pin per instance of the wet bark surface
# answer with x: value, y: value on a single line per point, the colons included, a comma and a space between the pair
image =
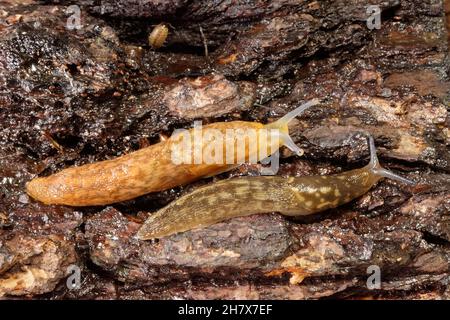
x: 75, y: 96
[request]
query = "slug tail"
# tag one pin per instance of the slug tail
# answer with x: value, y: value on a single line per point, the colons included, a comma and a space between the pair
x: 211, y: 204
x: 378, y: 170
x: 200, y: 208
x: 282, y: 125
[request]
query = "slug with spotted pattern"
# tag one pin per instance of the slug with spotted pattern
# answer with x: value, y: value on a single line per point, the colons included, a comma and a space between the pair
x: 292, y: 196
x: 153, y: 169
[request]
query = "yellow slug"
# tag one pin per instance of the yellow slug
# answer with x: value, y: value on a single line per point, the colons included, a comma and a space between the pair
x: 292, y: 196
x: 155, y: 168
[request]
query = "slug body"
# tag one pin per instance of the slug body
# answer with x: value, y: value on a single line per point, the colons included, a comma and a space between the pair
x: 154, y: 168
x: 292, y: 196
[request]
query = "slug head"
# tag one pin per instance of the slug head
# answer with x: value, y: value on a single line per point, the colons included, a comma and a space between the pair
x: 282, y: 126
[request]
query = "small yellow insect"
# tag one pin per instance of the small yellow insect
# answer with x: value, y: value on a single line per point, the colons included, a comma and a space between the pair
x: 158, y: 36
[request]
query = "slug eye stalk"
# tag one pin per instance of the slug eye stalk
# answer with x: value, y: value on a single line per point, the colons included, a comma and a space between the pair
x: 377, y: 169
x: 282, y: 125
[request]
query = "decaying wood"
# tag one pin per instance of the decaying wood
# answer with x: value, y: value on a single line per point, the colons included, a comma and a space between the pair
x: 69, y: 97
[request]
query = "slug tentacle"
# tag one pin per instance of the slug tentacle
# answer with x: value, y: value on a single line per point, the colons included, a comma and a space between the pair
x: 290, y: 144
x: 282, y: 125
x: 378, y: 170
x: 284, y: 121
